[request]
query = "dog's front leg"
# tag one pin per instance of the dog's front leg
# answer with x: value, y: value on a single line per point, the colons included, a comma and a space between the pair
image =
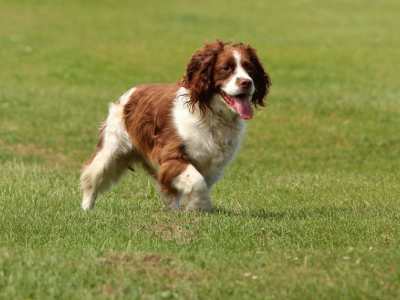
x: 193, y: 190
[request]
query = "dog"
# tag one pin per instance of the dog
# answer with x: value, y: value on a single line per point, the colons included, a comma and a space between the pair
x: 183, y: 133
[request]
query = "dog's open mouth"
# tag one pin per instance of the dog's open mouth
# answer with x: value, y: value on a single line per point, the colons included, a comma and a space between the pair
x: 239, y: 103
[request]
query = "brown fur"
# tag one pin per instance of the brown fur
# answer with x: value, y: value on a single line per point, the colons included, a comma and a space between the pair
x: 149, y: 124
x: 253, y: 66
x: 199, y: 75
x: 205, y: 72
x: 147, y: 113
x: 148, y: 120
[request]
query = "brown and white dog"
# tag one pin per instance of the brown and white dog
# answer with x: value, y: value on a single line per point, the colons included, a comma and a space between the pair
x: 184, y: 133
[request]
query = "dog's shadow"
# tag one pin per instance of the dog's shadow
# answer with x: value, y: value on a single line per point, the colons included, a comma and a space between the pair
x: 260, y: 213
x: 293, y: 214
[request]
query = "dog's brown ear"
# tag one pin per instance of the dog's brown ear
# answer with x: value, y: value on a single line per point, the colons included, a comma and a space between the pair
x: 262, y: 80
x: 199, y: 75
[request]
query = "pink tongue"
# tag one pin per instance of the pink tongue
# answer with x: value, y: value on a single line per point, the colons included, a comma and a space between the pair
x: 243, y: 108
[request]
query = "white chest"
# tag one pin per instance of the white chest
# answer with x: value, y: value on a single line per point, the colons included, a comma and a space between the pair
x: 210, y: 141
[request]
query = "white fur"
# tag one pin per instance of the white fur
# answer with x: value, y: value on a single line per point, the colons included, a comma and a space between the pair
x: 210, y: 140
x: 105, y: 169
x: 126, y: 96
x: 193, y: 189
x: 231, y: 87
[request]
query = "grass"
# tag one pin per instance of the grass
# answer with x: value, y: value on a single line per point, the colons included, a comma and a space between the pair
x: 308, y: 210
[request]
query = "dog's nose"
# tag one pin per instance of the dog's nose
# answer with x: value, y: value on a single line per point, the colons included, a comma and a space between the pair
x: 244, y: 83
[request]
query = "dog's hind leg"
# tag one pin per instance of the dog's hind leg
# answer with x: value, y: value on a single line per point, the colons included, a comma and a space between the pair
x: 103, y: 170
x: 113, y: 156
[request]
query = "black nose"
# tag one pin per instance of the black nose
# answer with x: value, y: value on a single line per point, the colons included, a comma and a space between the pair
x: 244, y: 83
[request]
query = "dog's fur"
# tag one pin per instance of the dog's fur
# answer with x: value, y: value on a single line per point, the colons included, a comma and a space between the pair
x: 184, y: 133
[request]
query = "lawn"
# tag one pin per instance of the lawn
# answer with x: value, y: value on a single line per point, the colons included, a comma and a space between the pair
x: 310, y: 208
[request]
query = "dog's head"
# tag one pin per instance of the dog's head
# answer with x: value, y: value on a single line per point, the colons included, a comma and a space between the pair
x: 229, y: 73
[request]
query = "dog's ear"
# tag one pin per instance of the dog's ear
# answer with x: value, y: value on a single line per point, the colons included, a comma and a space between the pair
x: 199, y: 75
x: 262, y: 80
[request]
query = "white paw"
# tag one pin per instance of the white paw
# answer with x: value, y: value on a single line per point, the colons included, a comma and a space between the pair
x: 87, y: 205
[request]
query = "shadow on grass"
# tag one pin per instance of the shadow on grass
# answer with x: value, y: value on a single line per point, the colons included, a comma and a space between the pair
x: 261, y: 213
x: 301, y: 214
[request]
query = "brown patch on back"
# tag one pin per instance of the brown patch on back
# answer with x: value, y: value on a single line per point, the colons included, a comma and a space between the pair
x: 149, y: 123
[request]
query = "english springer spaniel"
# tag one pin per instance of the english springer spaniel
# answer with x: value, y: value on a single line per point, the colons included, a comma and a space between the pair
x: 182, y: 133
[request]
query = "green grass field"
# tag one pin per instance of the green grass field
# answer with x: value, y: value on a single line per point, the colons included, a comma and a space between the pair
x: 310, y: 209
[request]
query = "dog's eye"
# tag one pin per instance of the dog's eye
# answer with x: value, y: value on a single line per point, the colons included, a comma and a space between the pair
x: 248, y: 67
x: 226, y: 68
